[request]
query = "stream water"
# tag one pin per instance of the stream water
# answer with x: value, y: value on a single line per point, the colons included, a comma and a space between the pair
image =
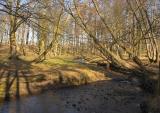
x: 103, y: 97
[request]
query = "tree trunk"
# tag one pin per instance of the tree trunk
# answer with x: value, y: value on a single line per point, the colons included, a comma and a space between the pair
x: 2, y: 39
x: 22, y: 46
x: 27, y: 38
x: 13, y: 46
x: 42, y: 55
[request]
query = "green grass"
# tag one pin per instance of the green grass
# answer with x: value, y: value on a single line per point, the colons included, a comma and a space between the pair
x: 60, y: 61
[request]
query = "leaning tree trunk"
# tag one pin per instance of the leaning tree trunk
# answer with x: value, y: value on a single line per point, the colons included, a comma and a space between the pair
x: 43, y: 54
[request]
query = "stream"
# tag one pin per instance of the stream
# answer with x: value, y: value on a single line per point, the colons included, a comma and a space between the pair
x: 99, y: 97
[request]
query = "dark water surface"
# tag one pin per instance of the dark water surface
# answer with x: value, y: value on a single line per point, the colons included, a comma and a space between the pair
x: 102, y: 97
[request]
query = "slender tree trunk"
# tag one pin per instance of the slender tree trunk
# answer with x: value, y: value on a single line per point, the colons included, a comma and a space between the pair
x: 22, y: 48
x: 27, y: 38
x: 2, y: 39
x: 13, y: 46
x: 33, y: 36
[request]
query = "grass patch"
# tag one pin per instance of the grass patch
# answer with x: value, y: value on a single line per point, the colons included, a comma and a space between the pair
x: 27, y: 58
x: 58, y: 61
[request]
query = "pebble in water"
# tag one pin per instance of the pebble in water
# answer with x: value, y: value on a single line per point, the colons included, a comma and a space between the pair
x: 74, y: 105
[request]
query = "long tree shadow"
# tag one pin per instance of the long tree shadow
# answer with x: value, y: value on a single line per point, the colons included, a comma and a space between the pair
x: 16, y: 78
x: 11, y: 74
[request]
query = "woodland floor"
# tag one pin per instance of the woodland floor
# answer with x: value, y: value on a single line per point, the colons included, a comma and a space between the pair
x: 66, y: 86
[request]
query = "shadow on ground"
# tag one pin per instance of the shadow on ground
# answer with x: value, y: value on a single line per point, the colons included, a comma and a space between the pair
x: 19, y: 77
x: 13, y: 74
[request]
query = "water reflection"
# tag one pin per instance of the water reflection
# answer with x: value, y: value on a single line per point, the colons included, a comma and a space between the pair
x: 44, y: 103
